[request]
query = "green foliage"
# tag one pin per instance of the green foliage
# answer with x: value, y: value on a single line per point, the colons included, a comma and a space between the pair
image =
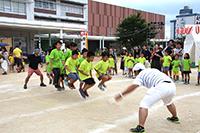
x: 134, y: 31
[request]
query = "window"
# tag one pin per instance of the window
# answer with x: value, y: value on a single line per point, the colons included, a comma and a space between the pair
x: 1, y: 5
x: 73, y: 9
x: 45, y: 5
x: 7, y: 6
x: 12, y: 6
x: 22, y: 8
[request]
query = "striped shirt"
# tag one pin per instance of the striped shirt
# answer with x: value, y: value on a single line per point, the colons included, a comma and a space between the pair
x: 151, y: 77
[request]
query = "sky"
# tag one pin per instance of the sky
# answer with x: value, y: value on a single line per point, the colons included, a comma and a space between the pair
x: 169, y: 8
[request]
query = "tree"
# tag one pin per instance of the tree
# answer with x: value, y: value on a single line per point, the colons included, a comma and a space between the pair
x: 134, y: 31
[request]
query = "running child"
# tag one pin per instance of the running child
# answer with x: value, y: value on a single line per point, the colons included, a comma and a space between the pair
x: 176, y: 64
x: 71, y: 67
x: 102, y: 68
x: 80, y: 60
x: 34, y: 61
x: 166, y: 62
x: 11, y: 62
x: 85, y: 73
x: 186, y: 68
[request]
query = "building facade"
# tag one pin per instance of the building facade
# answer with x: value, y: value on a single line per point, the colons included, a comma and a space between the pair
x: 185, y: 17
x: 21, y: 20
x: 35, y: 23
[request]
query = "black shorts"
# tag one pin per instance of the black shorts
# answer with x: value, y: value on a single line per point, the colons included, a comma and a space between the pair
x: 186, y: 72
x: 89, y: 81
x: 18, y: 62
x: 62, y: 76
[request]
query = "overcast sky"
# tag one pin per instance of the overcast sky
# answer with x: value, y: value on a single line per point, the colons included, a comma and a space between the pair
x: 169, y: 8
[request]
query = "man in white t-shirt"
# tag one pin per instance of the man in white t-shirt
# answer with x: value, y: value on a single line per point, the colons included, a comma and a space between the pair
x: 160, y: 87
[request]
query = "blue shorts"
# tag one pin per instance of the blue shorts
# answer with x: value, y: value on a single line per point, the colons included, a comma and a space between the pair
x: 73, y: 76
x: 165, y: 68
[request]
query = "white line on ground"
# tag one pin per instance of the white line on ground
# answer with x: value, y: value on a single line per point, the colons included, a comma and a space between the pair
x: 133, y: 117
x: 54, y: 109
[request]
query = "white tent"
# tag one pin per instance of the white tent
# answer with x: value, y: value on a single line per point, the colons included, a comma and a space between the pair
x: 192, y: 46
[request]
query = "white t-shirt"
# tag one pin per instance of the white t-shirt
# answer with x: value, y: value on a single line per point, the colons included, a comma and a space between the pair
x: 150, y: 78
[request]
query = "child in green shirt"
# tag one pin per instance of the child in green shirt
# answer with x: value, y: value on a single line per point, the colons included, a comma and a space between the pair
x: 111, y: 61
x: 176, y: 68
x: 71, y: 66
x: 56, y: 62
x: 141, y: 59
x: 85, y: 73
x: 166, y: 62
x: 186, y: 68
x: 101, y: 69
x: 80, y: 60
x: 130, y: 64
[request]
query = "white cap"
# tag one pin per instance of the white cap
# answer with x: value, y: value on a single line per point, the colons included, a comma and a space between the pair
x: 124, y: 48
x: 138, y: 66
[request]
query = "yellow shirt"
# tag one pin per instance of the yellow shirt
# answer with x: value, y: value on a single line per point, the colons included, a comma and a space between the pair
x: 11, y: 59
x: 17, y: 52
x: 72, y: 65
x: 102, y: 67
x: 86, y: 67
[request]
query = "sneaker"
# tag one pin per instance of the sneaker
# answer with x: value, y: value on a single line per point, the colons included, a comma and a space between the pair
x: 43, y: 85
x: 174, y: 120
x: 4, y: 73
x: 101, y: 87
x: 82, y: 93
x: 86, y: 94
x: 138, y: 129
x: 66, y: 82
x: 58, y: 87
x: 63, y: 88
x: 25, y: 86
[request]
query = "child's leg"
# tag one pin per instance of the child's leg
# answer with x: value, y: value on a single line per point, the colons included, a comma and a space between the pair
x: 81, y: 84
x: 104, y: 79
x: 188, y: 78
x: 198, y: 79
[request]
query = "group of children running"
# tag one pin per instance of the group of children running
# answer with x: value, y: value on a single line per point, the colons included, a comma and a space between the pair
x: 70, y: 67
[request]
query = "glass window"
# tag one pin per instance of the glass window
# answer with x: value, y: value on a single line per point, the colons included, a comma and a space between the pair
x: 15, y: 7
x: 45, y: 5
x: 22, y: 8
x: 7, y: 6
x: 38, y: 4
x: 1, y: 5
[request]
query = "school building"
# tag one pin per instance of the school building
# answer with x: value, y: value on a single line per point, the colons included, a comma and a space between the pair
x: 38, y: 23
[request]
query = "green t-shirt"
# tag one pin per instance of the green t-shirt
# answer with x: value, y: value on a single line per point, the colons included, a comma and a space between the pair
x: 111, y: 62
x: 141, y: 60
x: 186, y: 64
x: 48, y: 67
x: 130, y: 62
x: 199, y: 66
x: 56, y: 57
x: 68, y: 53
x: 136, y: 60
x: 125, y: 61
x: 72, y: 64
x: 80, y: 60
x: 86, y: 67
x: 102, y: 67
x: 166, y: 61
x: 176, y: 65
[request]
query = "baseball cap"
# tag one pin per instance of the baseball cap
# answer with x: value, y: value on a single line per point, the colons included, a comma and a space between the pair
x: 138, y: 66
